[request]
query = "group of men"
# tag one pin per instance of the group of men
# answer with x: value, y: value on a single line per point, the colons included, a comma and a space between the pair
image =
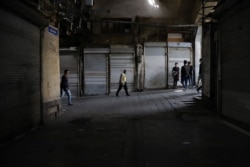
x: 187, y: 75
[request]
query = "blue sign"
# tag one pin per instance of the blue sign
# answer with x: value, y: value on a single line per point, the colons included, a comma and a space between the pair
x: 53, y: 30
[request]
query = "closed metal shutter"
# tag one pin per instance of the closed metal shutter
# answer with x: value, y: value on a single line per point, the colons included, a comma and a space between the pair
x: 95, y: 72
x: 206, y: 65
x: 122, y: 58
x: 70, y: 60
x: 20, y: 74
x: 155, y: 65
x: 177, y: 52
x: 235, y: 78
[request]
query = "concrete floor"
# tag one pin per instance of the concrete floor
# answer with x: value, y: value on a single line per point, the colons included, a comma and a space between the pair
x: 164, y: 128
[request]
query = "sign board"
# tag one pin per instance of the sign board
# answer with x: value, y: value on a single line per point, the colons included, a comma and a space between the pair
x: 53, y: 30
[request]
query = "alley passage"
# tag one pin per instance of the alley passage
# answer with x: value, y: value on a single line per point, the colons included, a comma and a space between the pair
x: 147, y: 129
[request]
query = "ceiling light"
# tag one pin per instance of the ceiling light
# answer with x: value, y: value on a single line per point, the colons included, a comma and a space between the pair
x: 212, y: 11
x: 153, y: 3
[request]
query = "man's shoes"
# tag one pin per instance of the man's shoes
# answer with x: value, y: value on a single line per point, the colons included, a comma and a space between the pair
x: 127, y: 94
x: 70, y: 104
x: 116, y: 94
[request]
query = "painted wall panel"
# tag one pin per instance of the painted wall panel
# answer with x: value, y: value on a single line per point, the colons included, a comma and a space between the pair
x: 50, y: 73
x: 51, y: 67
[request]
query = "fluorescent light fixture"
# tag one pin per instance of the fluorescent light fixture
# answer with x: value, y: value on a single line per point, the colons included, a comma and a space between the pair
x: 153, y: 3
x: 212, y: 11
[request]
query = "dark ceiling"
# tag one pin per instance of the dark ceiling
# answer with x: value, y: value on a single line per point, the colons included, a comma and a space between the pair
x: 178, y: 16
x: 174, y: 12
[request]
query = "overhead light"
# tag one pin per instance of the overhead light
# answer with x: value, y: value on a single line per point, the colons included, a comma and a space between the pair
x: 153, y: 3
x: 207, y: 20
x: 212, y: 11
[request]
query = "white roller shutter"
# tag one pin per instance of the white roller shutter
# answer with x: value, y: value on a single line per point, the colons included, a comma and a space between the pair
x: 95, y: 73
x: 177, y: 52
x: 155, y: 65
x: 122, y: 58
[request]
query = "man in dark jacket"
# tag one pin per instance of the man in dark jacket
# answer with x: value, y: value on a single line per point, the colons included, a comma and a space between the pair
x: 199, y: 87
x: 65, y: 86
x: 191, y: 72
x: 184, y: 74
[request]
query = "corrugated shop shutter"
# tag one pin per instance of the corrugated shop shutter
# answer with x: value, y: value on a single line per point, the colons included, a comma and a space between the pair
x: 122, y: 57
x: 95, y: 71
x: 178, y: 52
x: 206, y: 65
x: 235, y: 78
x: 20, y: 74
x: 155, y: 65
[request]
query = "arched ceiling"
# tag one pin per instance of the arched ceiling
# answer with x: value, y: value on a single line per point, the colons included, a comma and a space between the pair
x: 175, y: 12
x: 152, y: 16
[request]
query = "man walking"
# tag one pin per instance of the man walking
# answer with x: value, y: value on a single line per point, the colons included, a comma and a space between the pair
x: 191, y: 72
x: 184, y: 74
x: 65, y: 87
x: 199, y: 87
x: 123, y: 83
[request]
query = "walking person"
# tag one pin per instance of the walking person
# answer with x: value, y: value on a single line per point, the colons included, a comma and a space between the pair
x: 199, y: 77
x: 65, y: 87
x: 191, y: 74
x: 175, y: 74
x: 184, y: 75
x: 123, y: 83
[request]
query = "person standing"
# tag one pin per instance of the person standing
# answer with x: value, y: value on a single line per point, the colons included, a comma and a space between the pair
x: 65, y: 86
x: 200, y: 73
x: 175, y: 74
x: 184, y: 75
x: 123, y: 83
x: 199, y: 77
